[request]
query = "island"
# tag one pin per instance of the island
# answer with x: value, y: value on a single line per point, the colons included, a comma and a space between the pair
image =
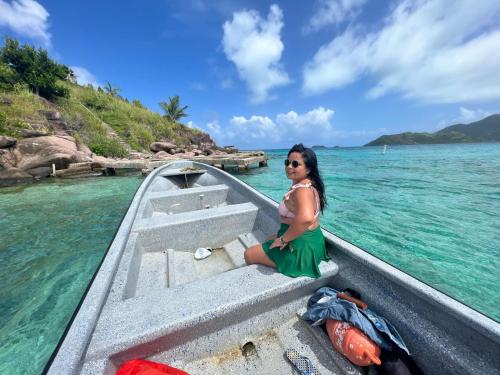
x: 485, y: 130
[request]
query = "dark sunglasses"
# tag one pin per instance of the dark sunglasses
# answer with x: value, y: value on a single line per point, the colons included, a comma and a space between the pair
x: 294, y: 163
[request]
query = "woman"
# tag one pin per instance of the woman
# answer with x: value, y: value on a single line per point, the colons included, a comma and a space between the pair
x: 299, y: 245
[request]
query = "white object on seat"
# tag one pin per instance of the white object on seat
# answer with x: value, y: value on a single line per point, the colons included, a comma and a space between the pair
x: 202, y: 253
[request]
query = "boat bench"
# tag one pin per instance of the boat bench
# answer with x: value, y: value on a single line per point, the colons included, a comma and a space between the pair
x: 165, y: 317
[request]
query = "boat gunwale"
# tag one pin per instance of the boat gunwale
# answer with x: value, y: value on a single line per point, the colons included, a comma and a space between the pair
x: 69, y: 355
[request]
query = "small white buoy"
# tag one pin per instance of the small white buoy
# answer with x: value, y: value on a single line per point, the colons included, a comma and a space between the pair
x: 202, y: 253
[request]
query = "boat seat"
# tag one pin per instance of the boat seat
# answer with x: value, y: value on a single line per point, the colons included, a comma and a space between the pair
x: 225, y: 296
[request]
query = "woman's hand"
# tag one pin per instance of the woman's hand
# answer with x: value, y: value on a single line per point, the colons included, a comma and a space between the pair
x: 277, y: 243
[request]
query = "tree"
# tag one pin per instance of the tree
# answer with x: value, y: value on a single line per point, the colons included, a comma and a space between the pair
x: 110, y: 89
x: 34, y: 68
x: 173, y: 110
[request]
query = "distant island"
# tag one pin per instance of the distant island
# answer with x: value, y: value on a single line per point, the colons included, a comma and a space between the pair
x: 485, y: 130
x: 318, y: 147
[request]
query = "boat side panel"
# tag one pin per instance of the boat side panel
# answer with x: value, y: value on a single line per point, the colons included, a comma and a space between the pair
x: 442, y: 340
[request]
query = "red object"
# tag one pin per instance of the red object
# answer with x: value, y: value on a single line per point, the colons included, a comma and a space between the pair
x: 143, y: 367
x: 352, y: 343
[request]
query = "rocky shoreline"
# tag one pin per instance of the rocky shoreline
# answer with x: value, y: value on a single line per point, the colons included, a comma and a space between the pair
x: 41, y: 152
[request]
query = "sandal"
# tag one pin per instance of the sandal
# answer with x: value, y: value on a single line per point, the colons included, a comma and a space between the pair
x: 301, y: 363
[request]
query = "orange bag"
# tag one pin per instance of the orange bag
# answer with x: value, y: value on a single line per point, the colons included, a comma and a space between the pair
x: 353, y: 343
x: 143, y: 367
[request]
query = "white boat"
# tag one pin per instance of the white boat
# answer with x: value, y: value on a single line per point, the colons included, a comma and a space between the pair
x: 151, y: 299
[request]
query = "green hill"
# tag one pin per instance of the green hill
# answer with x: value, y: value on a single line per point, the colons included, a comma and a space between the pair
x: 32, y: 85
x: 485, y: 130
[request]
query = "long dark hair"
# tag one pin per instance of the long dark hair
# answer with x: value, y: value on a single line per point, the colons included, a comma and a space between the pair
x: 311, y: 163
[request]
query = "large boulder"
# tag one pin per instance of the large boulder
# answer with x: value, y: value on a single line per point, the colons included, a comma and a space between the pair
x: 161, y: 146
x: 198, y: 139
x: 162, y: 155
x: 44, y: 151
x: 40, y: 172
x: 31, y: 133
x: 7, y: 141
x: 82, y: 147
x: 13, y: 176
x: 7, y: 159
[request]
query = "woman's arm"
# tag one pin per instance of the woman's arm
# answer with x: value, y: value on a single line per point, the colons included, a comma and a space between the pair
x: 286, y: 220
x: 304, y: 202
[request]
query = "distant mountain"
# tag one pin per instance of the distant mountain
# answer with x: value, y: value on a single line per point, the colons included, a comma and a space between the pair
x: 485, y: 130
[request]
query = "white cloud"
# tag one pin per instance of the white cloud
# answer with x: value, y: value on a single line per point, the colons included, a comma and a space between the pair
x: 84, y: 77
x: 255, y: 47
x: 257, y: 131
x: 429, y: 50
x: 333, y: 12
x: 26, y: 17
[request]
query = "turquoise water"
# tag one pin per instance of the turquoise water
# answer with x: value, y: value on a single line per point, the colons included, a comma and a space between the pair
x: 433, y: 211
x: 430, y: 210
x: 53, y: 236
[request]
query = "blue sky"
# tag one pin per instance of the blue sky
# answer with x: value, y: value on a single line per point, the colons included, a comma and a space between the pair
x: 270, y: 74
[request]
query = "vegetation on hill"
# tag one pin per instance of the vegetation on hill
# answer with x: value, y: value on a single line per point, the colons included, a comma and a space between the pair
x: 32, y: 84
x: 485, y: 130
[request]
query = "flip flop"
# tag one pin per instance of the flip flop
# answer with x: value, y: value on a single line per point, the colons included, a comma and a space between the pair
x: 202, y: 253
x: 301, y: 363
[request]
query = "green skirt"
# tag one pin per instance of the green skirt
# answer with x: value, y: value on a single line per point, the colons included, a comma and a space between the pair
x: 300, y: 257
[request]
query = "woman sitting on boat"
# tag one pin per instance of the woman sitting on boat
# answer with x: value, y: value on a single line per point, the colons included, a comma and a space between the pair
x: 299, y: 246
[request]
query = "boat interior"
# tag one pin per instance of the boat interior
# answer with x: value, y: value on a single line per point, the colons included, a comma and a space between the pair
x: 152, y: 299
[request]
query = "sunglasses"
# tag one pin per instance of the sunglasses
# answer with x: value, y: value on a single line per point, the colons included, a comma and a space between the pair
x: 294, y: 163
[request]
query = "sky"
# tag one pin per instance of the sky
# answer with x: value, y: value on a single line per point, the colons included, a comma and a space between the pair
x: 264, y: 75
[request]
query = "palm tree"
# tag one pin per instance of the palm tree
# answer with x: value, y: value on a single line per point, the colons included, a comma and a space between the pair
x: 113, y: 91
x: 173, y: 110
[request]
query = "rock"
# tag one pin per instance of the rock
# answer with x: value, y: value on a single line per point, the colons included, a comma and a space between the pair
x: 40, y: 172
x: 135, y: 155
x: 6, y: 142
x: 50, y: 115
x: 198, y: 139
x: 82, y: 147
x: 172, y: 151
x: 196, y: 152
x: 187, y: 155
x: 161, y: 146
x: 208, y: 151
x: 14, y: 176
x: 230, y: 149
x: 30, y: 133
x: 7, y: 159
x: 101, y: 159
x: 162, y: 155
x: 5, y: 101
x: 59, y: 126
x: 82, y: 157
x: 44, y: 151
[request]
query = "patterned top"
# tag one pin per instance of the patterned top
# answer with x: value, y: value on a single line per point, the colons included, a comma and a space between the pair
x: 283, y: 209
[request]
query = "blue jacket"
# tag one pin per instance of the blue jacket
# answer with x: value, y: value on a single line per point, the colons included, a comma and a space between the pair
x: 374, y: 326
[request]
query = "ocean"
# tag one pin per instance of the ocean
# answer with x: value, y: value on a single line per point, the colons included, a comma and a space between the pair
x: 432, y: 211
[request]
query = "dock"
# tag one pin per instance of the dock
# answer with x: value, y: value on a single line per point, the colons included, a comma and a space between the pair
x: 241, y: 161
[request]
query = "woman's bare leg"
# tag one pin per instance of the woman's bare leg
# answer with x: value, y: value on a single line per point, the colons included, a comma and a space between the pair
x: 256, y: 255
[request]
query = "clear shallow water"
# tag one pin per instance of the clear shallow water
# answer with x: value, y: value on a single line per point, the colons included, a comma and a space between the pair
x: 433, y: 211
x: 52, y: 238
x: 430, y: 210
